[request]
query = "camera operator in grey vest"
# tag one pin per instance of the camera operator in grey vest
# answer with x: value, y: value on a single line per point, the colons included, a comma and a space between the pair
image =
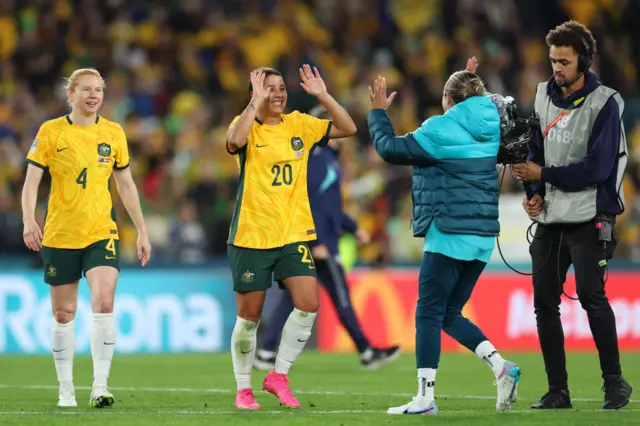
x: 576, y: 163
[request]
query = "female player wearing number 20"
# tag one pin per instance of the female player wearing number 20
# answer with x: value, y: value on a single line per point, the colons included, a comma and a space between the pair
x: 80, y: 152
x: 272, y: 220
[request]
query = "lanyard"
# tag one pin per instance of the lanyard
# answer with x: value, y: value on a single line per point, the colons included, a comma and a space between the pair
x: 561, y: 116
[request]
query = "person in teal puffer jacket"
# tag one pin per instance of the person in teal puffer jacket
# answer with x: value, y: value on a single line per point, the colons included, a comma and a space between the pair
x: 455, y: 208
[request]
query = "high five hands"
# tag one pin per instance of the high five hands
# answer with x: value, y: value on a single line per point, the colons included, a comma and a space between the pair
x: 472, y: 64
x: 312, y: 82
x: 378, y: 94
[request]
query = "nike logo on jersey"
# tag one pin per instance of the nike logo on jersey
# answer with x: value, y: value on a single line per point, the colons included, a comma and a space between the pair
x: 110, y: 257
x: 61, y: 149
x: 260, y: 146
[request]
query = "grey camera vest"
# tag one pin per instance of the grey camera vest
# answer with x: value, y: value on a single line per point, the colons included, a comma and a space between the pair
x: 566, y: 143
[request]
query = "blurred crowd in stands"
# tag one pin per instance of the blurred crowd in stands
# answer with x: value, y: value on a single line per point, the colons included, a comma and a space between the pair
x: 177, y: 74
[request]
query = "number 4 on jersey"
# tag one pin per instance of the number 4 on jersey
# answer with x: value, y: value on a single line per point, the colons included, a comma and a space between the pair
x: 82, y: 178
x: 111, y: 246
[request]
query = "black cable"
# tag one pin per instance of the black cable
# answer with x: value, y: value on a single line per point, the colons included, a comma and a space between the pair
x: 604, y: 278
x: 530, y: 237
x: 528, y: 234
x: 558, y: 269
x: 606, y: 272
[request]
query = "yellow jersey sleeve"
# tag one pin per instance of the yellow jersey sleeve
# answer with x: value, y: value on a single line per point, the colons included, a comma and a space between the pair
x: 40, y: 151
x: 122, y: 159
x: 230, y: 149
x: 316, y: 129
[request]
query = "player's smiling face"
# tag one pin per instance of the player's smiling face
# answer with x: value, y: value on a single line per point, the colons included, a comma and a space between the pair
x: 277, y: 94
x: 88, y: 94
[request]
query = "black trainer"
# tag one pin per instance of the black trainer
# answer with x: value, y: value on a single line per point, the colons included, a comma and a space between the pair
x: 617, y: 392
x: 554, y: 399
x: 264, y: 363
x: 379, y: 356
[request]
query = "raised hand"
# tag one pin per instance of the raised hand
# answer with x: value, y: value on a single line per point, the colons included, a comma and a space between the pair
x: 378, y: 95
x: 472, y: 64
x: 260, y: 93
x: 312, y: 83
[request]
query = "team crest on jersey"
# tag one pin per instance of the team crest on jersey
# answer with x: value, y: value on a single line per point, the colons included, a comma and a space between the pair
x: 248, y: 276
x: 104, y: 149
x: 51, y: 271
x: 296, y: 143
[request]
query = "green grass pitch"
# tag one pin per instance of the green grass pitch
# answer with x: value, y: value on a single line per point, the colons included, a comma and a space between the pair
x: 332, y: 389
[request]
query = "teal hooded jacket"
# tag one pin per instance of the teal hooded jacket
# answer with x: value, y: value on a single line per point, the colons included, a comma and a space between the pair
x: 455, y: 181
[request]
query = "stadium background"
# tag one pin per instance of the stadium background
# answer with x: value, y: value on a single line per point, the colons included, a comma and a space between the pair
x: 176, y: 75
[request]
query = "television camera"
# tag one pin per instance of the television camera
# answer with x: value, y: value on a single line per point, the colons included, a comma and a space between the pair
x: 515, y: 134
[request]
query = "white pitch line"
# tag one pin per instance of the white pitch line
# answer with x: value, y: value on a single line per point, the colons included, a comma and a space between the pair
x: 182, y: 412
x: 299, y: 391
x: 269, y: 412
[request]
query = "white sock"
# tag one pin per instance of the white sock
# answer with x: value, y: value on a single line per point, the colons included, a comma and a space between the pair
x: 103, y: 341
x: 243, y: 350
x: 426, y: 384
x: 63, y: 344
x: 489, y: 354
x: 295, y: 334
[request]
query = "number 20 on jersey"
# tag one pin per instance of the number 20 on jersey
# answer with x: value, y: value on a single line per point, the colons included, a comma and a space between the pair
x: 282, y: 175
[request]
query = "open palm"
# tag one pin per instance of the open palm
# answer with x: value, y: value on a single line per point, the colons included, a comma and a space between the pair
x: 312, y: 83
x: 378, y: 94
x: 257, y: 84
x: 472, y: 64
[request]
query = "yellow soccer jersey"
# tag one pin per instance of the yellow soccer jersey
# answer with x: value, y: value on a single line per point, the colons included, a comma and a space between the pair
x: 80, y: 160
x: 272, y: 208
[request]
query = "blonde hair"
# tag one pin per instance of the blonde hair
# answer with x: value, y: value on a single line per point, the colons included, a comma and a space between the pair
x: 464, y: 84
x: 72, y: 81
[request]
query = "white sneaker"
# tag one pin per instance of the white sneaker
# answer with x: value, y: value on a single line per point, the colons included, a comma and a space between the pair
x: 264, y: 360
x: 416, y: 406
x: 101, y: 397
x: 67, y: 396
x: 507, y: 383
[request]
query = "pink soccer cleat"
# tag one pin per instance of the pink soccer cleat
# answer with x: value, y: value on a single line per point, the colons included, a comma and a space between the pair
x: 245, y: 400
x: 278, y: 384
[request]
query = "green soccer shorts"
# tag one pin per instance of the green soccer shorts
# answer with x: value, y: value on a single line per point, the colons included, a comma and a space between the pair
x: 65, y: 266
x: 255, y: 269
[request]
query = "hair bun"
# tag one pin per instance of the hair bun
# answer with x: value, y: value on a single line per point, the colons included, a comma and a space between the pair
x: 463, y: 85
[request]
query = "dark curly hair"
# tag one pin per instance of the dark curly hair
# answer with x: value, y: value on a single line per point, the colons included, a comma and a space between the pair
x: 568, y: 34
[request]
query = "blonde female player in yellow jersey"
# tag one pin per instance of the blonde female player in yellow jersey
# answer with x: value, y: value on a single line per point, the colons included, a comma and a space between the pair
x: 272, y: 220
x: 80, y: 151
